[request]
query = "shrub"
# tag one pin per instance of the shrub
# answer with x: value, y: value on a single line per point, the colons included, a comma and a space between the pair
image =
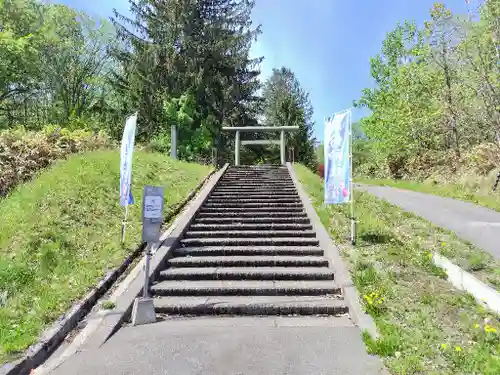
x: 160, y: 143
x: 483, y: 158
x: 23, y: 153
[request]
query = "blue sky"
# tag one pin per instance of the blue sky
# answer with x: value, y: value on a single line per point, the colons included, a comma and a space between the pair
x: 327, y: 43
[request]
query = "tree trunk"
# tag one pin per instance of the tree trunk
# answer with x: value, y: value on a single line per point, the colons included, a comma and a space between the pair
x: 449, y: 100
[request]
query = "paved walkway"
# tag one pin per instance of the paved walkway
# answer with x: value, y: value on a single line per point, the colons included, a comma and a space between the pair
x: 230, y: 346
x: 478, y: 225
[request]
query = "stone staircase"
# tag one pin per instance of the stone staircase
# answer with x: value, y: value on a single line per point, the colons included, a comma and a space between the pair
x: 250, y: 250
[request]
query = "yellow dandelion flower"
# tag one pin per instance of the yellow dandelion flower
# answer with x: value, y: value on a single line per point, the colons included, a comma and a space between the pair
x: 458, y: 348
x: 444, y: 346
x: 490, y: 329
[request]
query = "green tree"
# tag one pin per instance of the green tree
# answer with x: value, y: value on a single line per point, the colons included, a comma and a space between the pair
x: 286, y: 103
x: 175, y: 46
x: 20, y: 46
x: 436, y: 91
x: 54, y: 65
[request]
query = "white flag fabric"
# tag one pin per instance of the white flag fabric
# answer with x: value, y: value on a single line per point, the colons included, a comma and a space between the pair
x: 126, y: 154
x: 337, y: 167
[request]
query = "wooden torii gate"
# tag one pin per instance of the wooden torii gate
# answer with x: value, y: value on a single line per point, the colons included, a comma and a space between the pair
x: 259, y: 129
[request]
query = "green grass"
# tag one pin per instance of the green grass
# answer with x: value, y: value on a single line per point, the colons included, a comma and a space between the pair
x: 60, y: 233
x: 108, y: 305
x: 426, y: 325
x: 484, y: 197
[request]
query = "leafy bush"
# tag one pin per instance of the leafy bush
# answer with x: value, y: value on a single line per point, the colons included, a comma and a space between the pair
x: 483, y: 158
x: 160, y: 143
x: 23, y: 153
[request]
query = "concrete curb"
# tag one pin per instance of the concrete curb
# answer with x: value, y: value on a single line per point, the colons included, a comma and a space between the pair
x: 342, y: 276
x: 462, y: 280
x: 55, y: 335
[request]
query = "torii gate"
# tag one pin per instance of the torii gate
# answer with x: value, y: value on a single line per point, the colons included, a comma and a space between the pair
x: 259, y: 129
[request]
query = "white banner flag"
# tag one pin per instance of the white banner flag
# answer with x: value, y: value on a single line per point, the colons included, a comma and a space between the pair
x: 337, y: 168
x: 127, y: 151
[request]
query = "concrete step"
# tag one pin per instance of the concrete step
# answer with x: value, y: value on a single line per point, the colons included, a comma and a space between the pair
x: 258, y: 188
x: 255, y: 180
x: 262, y: 172
x: 254, y: 305
x: 252, y: 199
x: 245, y: 178
x: 214, y: 213
x: 262, y: 176
x: 257, y: 168
x: 260, y: 167
x: 248, y: 251
x: 245, y: 288
x: 261, y: 186
x: 254, y: 226
x: 251, y: 220
x: 253, y: 204
x: 248, y: 273
x: 256, y: 184
x: 248, y: 261
x: 249, y: 198
x: 239, y: 210
x: 274, y: 241
x: 264, y: 190
x: 238, y: 195
x: 250, y: 233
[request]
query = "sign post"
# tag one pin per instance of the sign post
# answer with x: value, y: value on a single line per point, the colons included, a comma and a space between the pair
x: 143, y: 311
x: 338, y: 163
x: 126, y: 155
x: 152, y: 219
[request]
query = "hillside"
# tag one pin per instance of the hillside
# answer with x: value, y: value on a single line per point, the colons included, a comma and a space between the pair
x: 427, y: 326
x: 60, y: 233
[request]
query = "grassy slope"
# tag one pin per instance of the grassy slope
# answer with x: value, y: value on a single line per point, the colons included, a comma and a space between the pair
x: 457, y: 191
x: 60, y: 233
x: 427, y: 326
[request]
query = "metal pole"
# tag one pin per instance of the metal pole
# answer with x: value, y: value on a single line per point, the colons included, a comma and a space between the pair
x: 145, y: 291
x: 282, y: 145
x: 124, y: 223
x: 353, y: 219
x: 237, y: 148
x: 173, y: 142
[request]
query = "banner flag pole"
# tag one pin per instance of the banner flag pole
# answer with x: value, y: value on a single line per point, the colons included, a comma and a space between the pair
x: 338, y: 174
x: 353, y: 217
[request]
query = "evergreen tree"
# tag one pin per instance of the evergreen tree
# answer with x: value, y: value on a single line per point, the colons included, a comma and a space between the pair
x: 183, y: 47
x: 286, y: 103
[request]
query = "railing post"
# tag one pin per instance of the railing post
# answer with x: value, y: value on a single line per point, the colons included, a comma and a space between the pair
x: 237, y: 148
x: 173, y: 142
x: 282, y: 146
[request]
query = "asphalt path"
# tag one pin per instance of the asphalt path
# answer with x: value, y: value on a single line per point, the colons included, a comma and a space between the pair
x: 476, y: 224
x: 231, y: 346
